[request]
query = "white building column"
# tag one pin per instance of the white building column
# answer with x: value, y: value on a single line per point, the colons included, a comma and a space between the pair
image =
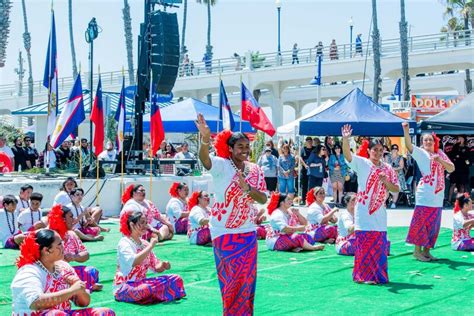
x: 277, y: 106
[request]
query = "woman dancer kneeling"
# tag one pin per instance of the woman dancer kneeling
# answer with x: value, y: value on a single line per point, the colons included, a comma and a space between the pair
x: 45, y: 284
x: 463, y: 223
x: 133, y: 199
x: 345, y: 242
x: 134, y: 258
x: 287, y: 230
x: 60, y: 220
x: 177, y: 207
x: 320, y: 215
x: 198, y: 232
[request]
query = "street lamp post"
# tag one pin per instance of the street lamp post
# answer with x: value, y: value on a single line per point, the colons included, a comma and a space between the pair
x: 278, y: 5
x: 351, y: 27
x: 91, y: 34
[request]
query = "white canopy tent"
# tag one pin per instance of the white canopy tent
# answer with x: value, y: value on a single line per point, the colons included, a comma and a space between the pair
x: 289, y: 130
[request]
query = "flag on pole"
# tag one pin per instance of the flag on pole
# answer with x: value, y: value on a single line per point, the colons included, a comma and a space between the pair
x: 225, y: 112
x: 398, y: 89
x: 157, y: 131
x: 253, y: 113
x: 50, y: 78
x: 120, y: 118
x: 97, y: 117
x: 71, y: 116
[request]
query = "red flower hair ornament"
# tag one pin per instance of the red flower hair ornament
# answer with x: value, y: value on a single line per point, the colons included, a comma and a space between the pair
x: 29, y: 251
x: 436, y: 142
x: 56, y: 221
x: 124, y: 224
x: 127, y: 194
x: 174, y: 189
x: 310, y: 199
x: 364, y: 149
x: 194, y: 199
x: 220, y: 144
x: 273, y: 205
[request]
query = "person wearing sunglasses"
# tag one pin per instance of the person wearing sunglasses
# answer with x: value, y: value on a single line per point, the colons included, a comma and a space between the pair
x: 30, y: 152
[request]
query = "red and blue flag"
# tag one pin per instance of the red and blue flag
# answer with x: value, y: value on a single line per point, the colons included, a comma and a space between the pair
x: 253, y: 113
x: 225, y: 112
x: 97, y: 117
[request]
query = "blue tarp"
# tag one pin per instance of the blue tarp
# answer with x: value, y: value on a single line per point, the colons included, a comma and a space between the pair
x: 180, y: 117
x: 365, y: 116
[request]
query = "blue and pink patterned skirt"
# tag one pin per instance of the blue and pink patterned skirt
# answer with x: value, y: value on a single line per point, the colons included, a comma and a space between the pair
x: 370, y: 260
x: 324, y: 232
x: 424, y: 227
x: 287, y: 242
x: 88, y: 274
x: 181, y: 226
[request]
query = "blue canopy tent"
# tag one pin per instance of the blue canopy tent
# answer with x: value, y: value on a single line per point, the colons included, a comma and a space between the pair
x: 365, y: 116
x: 180, y: 117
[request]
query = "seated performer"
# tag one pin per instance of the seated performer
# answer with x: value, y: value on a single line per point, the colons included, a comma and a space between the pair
x: 45, y: 284
x: 463, y: 223
x: 345, y: 227
x: 30, y: 218
x: 287, y: 229
x: 24, y: 198
x: 134, y: 258
x: 133, y: 199
x: 10, y: 235
x: 63, y: 197
x: 320, y: 215
x: 198, y: 232
x: 86, y: 226
x: 177, y: 207
x: 61, y: 220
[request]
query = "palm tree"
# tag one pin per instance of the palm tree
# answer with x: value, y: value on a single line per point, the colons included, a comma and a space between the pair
x: 71, y: 38
x: 208, y: 3
x: 465, y: 10
x: 404, y: 52
x: 376, y: 49
x: 183, y: 33
x: 127, y: 25
x: 5, y: 6
x: 27, y: 44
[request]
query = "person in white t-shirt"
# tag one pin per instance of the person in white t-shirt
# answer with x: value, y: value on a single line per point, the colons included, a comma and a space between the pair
x: 109, y: 154
x: 426, y: 220
x: 7, y: 150
x: 31, y: 218
x: 10, y: 235
x: 463, y: 222
x: 177, y: 207
x: 288, y: 229
x: 63, y: 196
x: 321, y: 216
x: 375, y: 179
x: 198, y: 231
x: 237, y: 184
x: 345, y: 242
x: 24, y: 198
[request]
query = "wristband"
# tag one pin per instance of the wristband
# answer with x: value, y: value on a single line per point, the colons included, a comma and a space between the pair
x: 204, y: 143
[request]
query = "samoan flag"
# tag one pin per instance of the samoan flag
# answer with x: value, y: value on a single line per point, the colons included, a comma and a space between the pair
x: 253, y: 113
x: 157, y: 131
x: 72, y: 115
x: 398, y: 89
x: 120, y: 118
x: 50, y: 78
x: 225, y: 112
x: 97, y: 117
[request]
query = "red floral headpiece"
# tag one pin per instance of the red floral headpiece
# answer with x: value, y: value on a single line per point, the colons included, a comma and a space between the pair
x: 127, y: 194
x: 29, y: 251
x: 56, y: 220
x: 273, y: 205
x: 174, y: 189
x: 193, y: 200
x: 436, y: 142
x: 457, y: 208
x: 310, y: 198
x: 364, y: 149
x: 124, y: 223
x: 220, y: 144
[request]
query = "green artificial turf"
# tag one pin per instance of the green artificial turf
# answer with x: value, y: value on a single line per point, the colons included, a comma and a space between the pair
x: 306, y: 283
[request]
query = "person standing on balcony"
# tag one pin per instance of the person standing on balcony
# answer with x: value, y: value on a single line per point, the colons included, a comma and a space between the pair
x: 333, y: 55
x: 294, y: 54
x: 358, y: 44
x: 319, y: 50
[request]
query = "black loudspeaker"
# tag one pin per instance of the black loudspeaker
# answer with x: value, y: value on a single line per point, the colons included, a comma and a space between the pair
x: 164, y: 50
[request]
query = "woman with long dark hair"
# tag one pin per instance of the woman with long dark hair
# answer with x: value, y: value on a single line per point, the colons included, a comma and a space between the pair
x: 463, y: 222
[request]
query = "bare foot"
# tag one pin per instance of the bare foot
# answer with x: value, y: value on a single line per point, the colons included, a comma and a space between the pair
x: 99, y: 238
x: 430, y: 256
x: 297, y: 249
x: 102, y: 229
x: 318, y: 247
x: 419, y: 256
x: 97, y: 287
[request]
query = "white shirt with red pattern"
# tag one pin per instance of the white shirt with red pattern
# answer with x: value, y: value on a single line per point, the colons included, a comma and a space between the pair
x: 344, y: 222
x: 278, y: 221
x: 73, y: 244
x: 152, y: 214
x: 459, y: 232
x: 174, y: 209
x: 233, y: 211
x: 31, y: 281
x: 195, y: 216
x: 127, y: 251
x: 430, y: 189
x: 370, y: 212
x: 316, y: 213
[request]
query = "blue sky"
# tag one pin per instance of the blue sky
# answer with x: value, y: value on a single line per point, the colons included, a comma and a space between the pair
x: 237, y: 26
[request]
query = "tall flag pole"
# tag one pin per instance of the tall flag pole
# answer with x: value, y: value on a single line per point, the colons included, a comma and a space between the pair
x: 120, y: 118
x: 97, y: 117
x: 50, y: 78
x: 225, y: 112
x: 241, y: 107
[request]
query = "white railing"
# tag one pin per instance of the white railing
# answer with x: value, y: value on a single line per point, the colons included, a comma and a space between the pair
x: 389, y: 47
